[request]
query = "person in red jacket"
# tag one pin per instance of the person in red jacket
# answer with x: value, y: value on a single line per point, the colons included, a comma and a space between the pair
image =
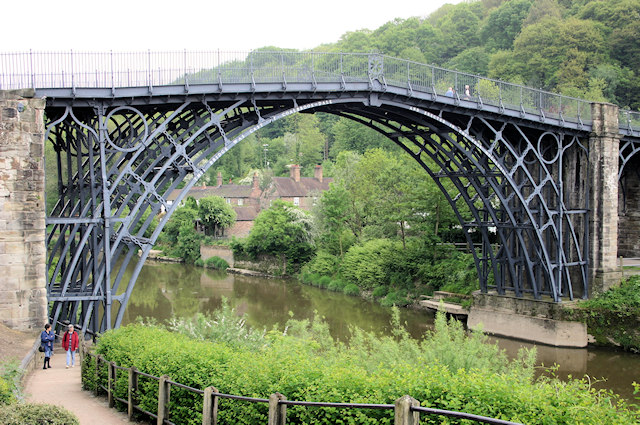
x: 70, y: 342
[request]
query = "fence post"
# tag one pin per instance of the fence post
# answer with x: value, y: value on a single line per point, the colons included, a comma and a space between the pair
x: 97, y: 374
x: 210, y: 407
x: 163, y: 399
x: 402, y: 411
x: 277, y: 412
x: 112, y: 379
x: 132, y: 391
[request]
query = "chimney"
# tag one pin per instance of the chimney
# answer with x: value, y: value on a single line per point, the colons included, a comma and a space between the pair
x: 317, y: 173
x: 219, y: 179
x: 295, y: 172
x: 256, y: 181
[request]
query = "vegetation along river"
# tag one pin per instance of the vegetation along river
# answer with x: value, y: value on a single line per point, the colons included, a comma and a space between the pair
x: 163, y: 290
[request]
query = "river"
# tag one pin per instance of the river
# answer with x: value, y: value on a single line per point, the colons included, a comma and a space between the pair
x: 163, y: 290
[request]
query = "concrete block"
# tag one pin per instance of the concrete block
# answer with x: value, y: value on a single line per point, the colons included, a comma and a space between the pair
x: 552, y: 332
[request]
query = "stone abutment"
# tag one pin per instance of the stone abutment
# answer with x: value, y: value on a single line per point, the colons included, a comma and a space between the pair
x: 23, y: 295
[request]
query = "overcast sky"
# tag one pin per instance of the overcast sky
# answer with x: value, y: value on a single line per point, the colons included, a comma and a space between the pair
x: 121, y: 25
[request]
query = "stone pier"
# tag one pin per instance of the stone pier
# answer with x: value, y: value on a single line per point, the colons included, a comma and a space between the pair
x: 604, y: 157
x: 23, y: 297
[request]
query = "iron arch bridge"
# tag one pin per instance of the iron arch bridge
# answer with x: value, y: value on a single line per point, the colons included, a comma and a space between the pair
x: 127, y: 134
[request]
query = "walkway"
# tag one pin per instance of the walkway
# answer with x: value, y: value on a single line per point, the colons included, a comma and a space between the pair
x: 62, y: 387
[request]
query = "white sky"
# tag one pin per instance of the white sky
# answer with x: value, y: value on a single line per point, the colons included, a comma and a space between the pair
x: 138, y: 25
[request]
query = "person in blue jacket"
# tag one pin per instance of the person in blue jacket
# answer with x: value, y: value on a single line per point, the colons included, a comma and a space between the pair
x: 46, y: 342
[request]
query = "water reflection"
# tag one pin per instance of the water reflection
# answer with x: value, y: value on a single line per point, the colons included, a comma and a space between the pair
x: 164, y: 290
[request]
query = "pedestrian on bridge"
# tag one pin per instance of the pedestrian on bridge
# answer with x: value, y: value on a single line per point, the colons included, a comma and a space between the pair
x: 70, y: 343
x: 46, y: 344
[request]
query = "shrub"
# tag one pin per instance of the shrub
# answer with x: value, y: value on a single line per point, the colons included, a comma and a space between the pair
x: 613, y: 316
x: 216, y: 262
x: 395, y: 298
x: 351, y: 289
x: 10, y: 374
x: 365, y: 265
x: 323, y: 263
x: 380, y: 291
x: 314, y: 279
x: 324, y: 281
x: 36, y: 414
x: 448, y: 370
x: 6, y: 396
x: 199, y: 263
x: 336, y: 285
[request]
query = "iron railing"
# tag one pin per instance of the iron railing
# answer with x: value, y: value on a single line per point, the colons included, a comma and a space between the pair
x: 406, y: 409
x: 42, y: 70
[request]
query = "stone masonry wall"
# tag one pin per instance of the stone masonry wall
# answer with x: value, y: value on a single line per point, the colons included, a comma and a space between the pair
x: 23, y: 298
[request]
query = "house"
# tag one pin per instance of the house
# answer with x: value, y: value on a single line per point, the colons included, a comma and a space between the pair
x: 302, y: 192
x: 249, y: 200
x: 245, y: 200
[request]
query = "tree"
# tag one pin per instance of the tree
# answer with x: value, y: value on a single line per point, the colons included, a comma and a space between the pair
x: 331, y: 218
x: 504, y: 24
x: 215, y: 214
x: 180, y: 217
x: 283, y: 231
x: 552, y: 53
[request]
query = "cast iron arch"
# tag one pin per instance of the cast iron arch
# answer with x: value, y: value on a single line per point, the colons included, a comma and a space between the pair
x: 128, y: 159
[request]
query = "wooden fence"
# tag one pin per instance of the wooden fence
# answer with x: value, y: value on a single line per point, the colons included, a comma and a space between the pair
x: 406, y: 409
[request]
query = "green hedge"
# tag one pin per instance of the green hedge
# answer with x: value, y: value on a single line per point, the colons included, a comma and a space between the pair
x: 446, y: 371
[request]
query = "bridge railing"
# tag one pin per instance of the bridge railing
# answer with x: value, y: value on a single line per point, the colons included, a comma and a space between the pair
x: 406, y: 410
x: 150, y: 69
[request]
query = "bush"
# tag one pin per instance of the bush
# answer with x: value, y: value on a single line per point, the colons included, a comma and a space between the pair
x: 324, y: 281
x: 10, y: 374
x: 395, y: 298
x: 199, y: 263
x: 216, y: 262
x: 613, y: 316
x: 6, y: 395
x: 323, y: 263
x: 448, y: 370
x: 351, y: 289
x: 365, y: 265
x: 380, y: 291
x: 36, y: 414
x: 314, y: 279
x: 337, y: 285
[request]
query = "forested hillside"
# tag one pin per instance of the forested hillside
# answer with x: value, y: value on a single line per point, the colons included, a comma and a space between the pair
x: 585, y: 48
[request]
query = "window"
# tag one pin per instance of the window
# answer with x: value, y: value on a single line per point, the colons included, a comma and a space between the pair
x: 240, y: 201
x: 228, y: 200
x: 296, y: 201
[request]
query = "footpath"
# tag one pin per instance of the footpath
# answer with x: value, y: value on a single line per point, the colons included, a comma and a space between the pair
x: 62, y: 387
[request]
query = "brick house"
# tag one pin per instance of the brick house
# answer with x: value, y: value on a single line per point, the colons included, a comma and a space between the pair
x: 302, y: 192
x: 249, y: 200
x: 245, y: 200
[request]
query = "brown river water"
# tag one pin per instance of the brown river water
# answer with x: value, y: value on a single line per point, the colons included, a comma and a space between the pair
x: 163, y: 290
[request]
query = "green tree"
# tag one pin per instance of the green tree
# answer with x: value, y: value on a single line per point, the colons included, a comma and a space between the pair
x: 331, y: 219
x: 552, y: 53
x: 215, y: 214
x: 187, y: 243
x: 181, y: 216
x: 284, y: 231
x: 504, y: 24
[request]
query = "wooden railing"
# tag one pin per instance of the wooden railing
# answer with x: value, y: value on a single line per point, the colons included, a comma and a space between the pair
x: 406, y: 409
